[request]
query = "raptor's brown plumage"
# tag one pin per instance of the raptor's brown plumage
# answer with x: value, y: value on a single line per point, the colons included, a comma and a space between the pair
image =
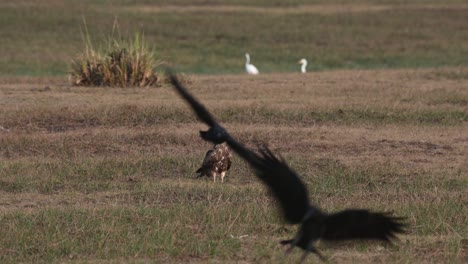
x: 217, y: 161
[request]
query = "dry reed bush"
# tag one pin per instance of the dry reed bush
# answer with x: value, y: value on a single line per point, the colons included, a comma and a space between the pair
x: 121, y: 63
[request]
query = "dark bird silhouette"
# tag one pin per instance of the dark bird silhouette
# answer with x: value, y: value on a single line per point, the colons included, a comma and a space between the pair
x: 292, y: 195
x: 217, y: 160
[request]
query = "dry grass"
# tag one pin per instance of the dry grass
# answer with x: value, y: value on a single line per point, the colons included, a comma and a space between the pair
x: 105, y: 175
x: 99, y: 175
x: 294, y: 9
x: 117, y: 63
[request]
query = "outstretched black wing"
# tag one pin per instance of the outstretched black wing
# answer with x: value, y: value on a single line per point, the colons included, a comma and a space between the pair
x: 362, y: 224
x: 216, y: 133
x: 284, y: 183
x: 199, y: 109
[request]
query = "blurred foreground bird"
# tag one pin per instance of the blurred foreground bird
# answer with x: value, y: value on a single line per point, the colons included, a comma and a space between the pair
x: 217, y: 160
x: 291, y: 194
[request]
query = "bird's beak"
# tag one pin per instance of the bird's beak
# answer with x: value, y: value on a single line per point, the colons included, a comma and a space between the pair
x: 298, y: 62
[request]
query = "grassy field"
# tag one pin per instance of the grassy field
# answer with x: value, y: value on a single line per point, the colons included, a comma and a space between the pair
x: 106, y: 175
x: 212, y: 36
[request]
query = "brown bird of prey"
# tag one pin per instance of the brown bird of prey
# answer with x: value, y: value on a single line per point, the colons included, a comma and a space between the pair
x: 217, y: 160
x: 291, y: 194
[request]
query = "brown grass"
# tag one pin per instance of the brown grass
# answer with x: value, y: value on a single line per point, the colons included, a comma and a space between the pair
x: 109, y: 166
x: 321, y: 9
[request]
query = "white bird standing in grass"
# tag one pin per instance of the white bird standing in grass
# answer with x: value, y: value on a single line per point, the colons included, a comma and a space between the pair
x: 303, y: 63
x: 250, y: 68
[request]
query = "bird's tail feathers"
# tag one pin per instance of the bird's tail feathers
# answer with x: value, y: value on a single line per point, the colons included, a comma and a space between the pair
x: 363, y: 224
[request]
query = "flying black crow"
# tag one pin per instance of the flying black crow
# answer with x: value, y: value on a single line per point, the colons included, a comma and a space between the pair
x: 292, y: 196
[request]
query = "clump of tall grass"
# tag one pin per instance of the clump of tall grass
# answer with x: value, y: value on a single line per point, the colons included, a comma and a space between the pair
x: 118, y: 63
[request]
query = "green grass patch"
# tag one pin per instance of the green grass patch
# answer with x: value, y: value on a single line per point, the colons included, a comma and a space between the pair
x: 44, y: 37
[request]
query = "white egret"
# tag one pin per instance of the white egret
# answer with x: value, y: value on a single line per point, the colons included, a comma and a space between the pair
x: 250, y: 68
x: 303, y: 63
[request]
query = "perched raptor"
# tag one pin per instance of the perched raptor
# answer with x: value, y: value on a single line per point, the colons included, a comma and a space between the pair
x: 292, y: 196
x: 217, y: 161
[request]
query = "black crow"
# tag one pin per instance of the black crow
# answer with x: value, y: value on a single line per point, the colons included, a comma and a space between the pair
x: 292, y: 196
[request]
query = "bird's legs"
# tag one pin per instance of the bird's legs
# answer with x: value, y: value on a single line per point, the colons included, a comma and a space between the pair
x: 321, y: 257
x: 286, y: 242
x: 312, y: 249
x: 304, y: 256
x: 214, y: 176
x: 293, y: 242
x: 222, y: 176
